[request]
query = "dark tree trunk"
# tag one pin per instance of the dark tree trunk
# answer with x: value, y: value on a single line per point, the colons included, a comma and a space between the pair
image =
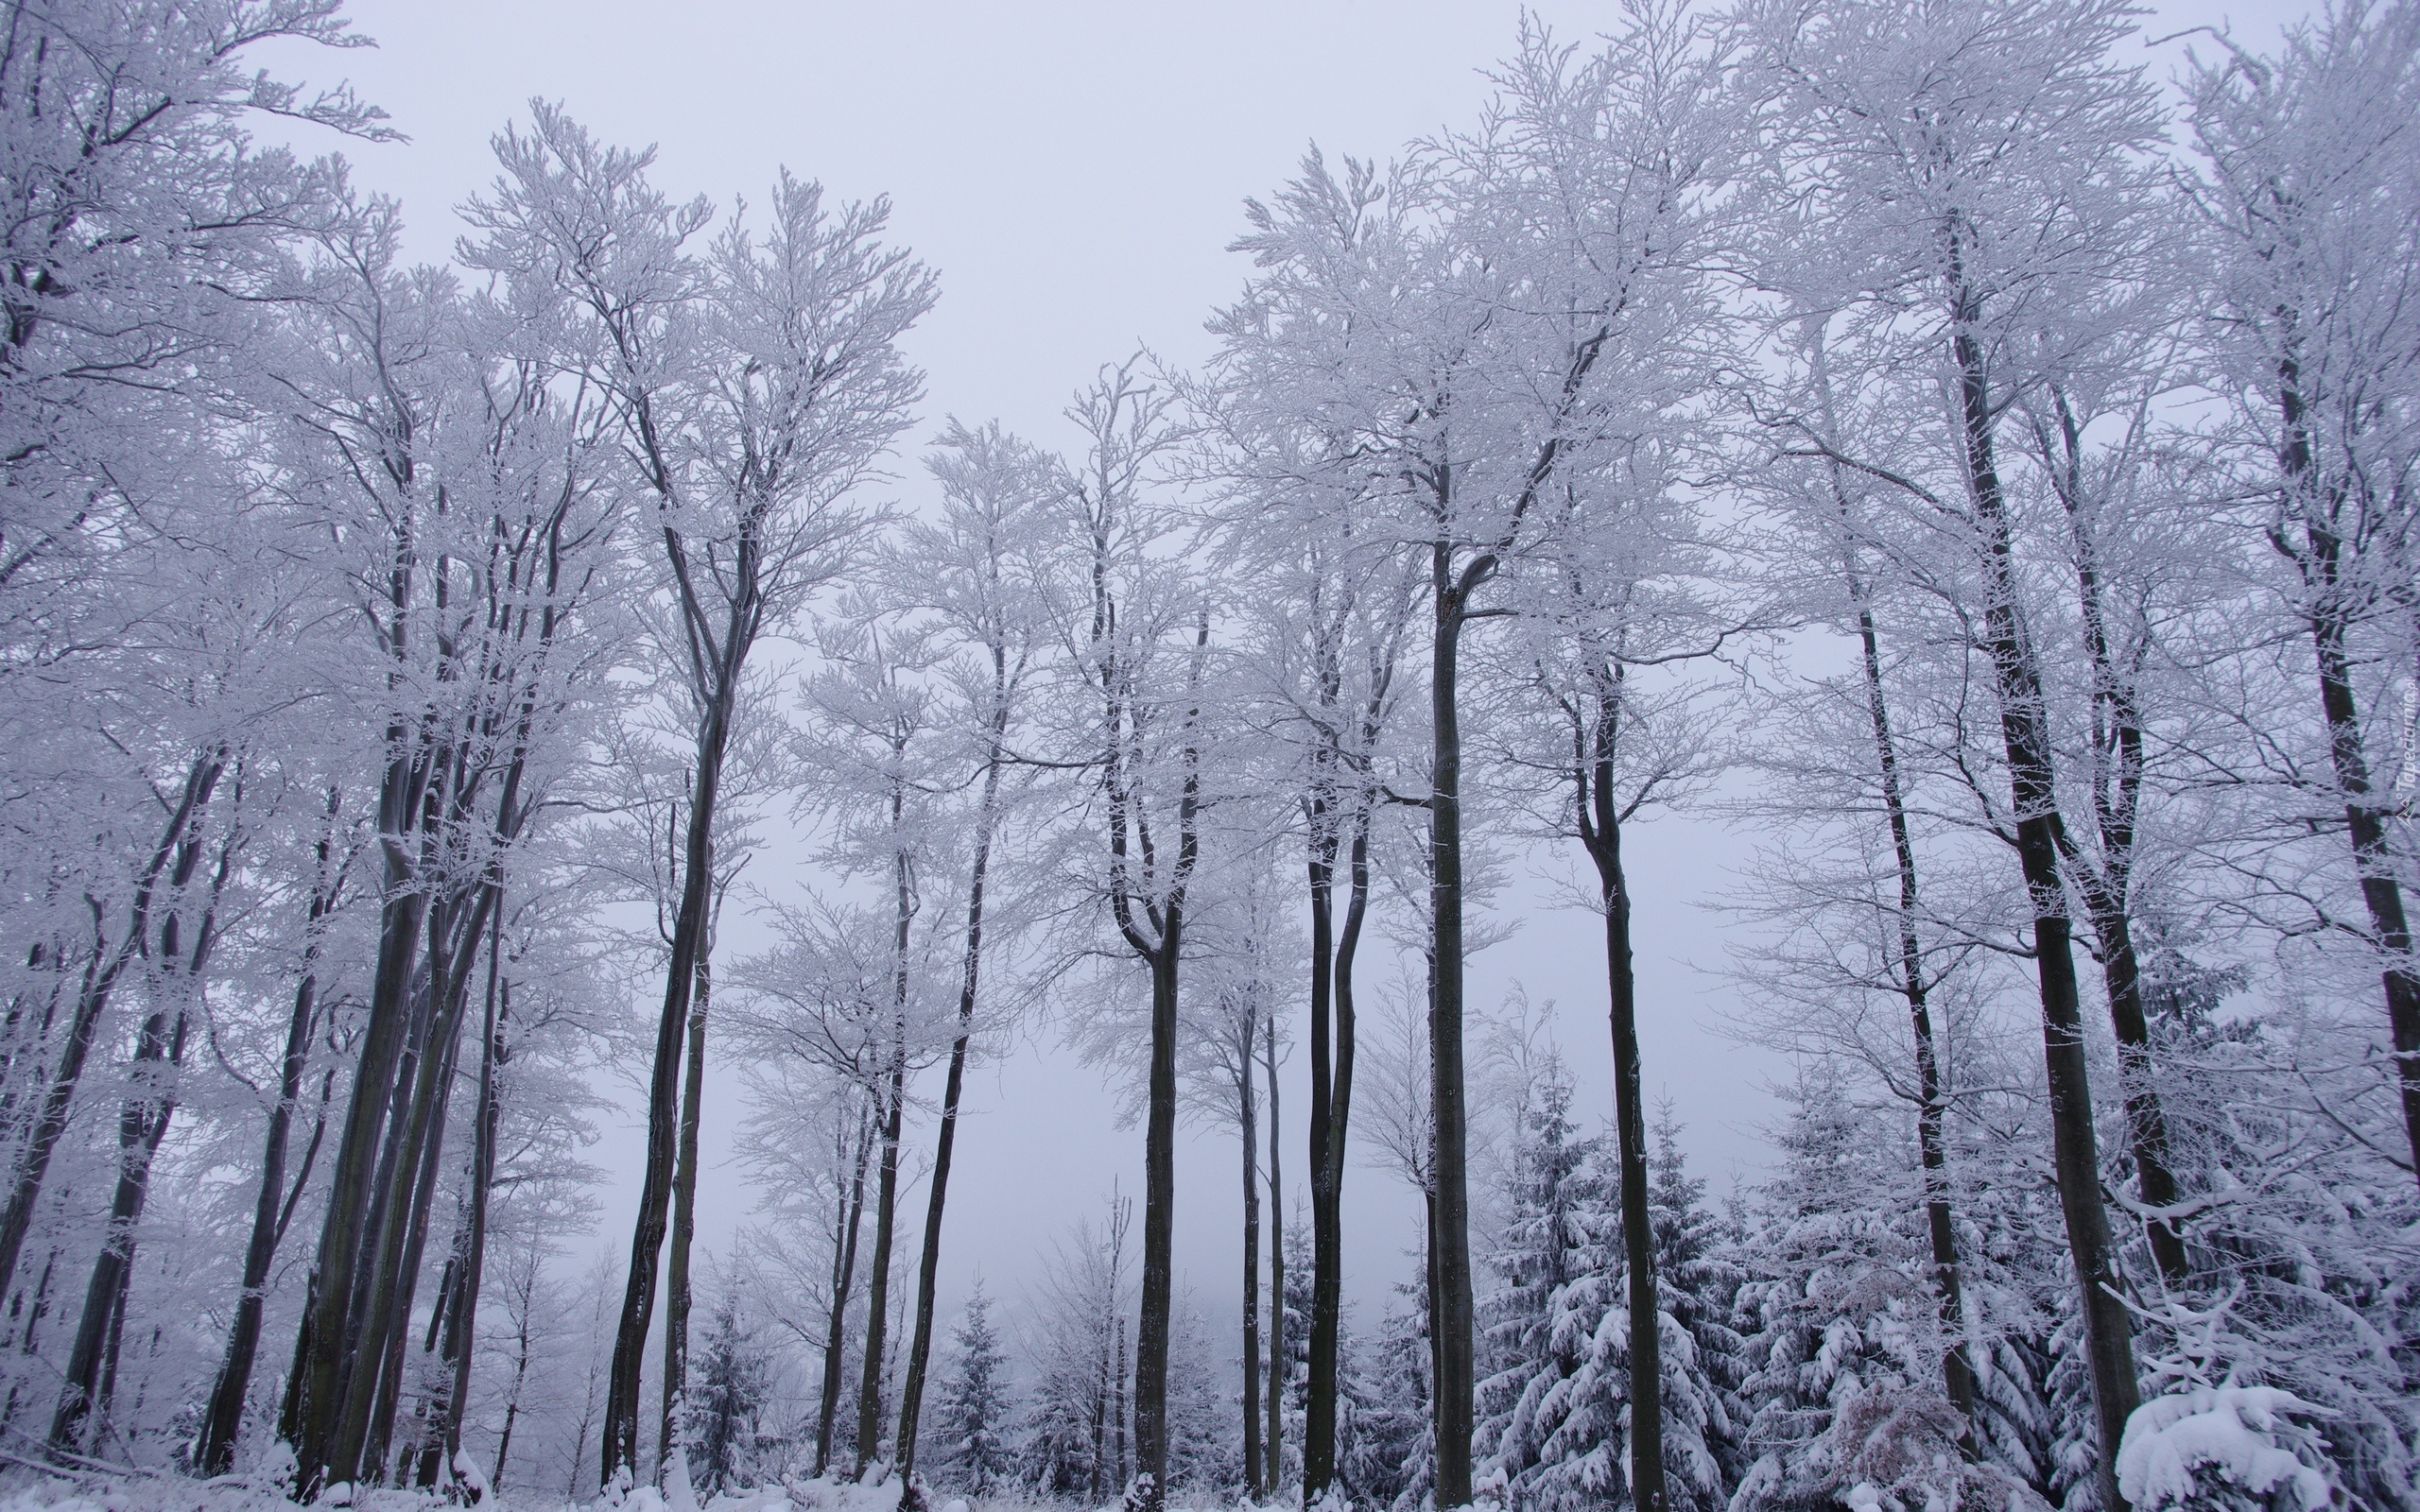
x: 381, y: 1328
x: 1248, y: 1123
x: 2107, y: 888
x: 215, y: 1452
x: 2320, y: 562
x: 512, y: 1399
x: 1332, y: 960
x: 323, y: 1347
x: 1600, y: 817
x: 91, y: 997
x: 462, y: 1329
x: 621, y: 1434
x: 886, y: 1208
x: 844, y: 1270
x: 2025, y: 730
x: 1273, y: 1450
x: 920, y: 1347
x: 1159, y: 1221
x: 1453, y: 1308
x: 1932, y: 1095
x: 684, y: 1226
x: 142, y: 1123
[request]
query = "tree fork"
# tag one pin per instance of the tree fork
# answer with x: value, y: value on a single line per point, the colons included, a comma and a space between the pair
x: 2108, y: 1328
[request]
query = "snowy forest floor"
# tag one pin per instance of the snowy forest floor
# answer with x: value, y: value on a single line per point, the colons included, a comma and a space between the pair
x: 24, y: 1488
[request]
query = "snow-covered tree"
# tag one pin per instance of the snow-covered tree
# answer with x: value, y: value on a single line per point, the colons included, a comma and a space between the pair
x: 973, y: 1412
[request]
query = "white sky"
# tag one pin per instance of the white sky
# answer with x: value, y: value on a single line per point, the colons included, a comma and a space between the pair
x: 1074, y: 171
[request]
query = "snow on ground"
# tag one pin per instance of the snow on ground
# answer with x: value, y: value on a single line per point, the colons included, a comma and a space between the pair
x: 25, y: 1488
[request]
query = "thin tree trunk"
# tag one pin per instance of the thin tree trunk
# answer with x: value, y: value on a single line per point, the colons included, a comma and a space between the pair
x: 1596, y: 810
x: 1273, y: 1450
x: 142, y: 1125
x: 520, y: 1377
x: 222, y: 1427
x: 424, y: 1453
x: 1932, y: 1096
x: 2024, y: 723
x: 621, y: 1435
x: 2107, y: 888
x: 1456, y: 1381
x: 886, y: 1207
x: 1638, y: 1239
x: 1159, y: 1222
x: 1932, y: 1107
x: 843, y: 1281
x: 93, y: 996
x: 2322, y: 565
x: 1331, y: 1114
x: 1247, y: 1125
x: 912, y: 1391
x: 488, y: 1122
x: 685, y: 1226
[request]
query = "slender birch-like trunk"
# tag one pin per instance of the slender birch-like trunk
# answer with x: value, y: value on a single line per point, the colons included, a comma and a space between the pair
x: 2025, y: 730
x: 685, y: 1226
x: 844, y: 1267
x: 912, y: 1391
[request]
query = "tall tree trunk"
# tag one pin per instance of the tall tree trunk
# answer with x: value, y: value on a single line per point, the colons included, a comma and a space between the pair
x: 222, y: 1426
x: 920, y: 1347
x: 844, y: 1269
x: 520, y: 1379
x: 381, y: 1331
x: 1247, y: 1125
x: 1318, y: 1413
x: 1331, y: 1114
x: 2320, y: 562
x: 322, y: 1346
x: 1453, y: 1307
x: 142, y: 1123
x: 487, y: 1122
x: 886, y: 1207
x: 2025, y: 731
x: 1932, y: 1094
x: 1159, y: 1222
x: 1274, y: 1449
x: 2107, y: 887
x: 684, y: 1228
x: 1600, y: 817
x: 621, y: 1434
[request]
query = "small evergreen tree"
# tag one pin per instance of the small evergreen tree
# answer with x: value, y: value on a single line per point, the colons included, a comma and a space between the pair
x: 1845, y: 1342
x: 1697, y: 1280
x: 1553, y: 1265
x: 729, y: 1382
x: 973, y: 1412
x: 1392, y: 1460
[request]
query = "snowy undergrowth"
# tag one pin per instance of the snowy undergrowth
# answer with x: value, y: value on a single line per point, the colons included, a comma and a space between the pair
x: 2224, y: 1447
x: 25, y: 1490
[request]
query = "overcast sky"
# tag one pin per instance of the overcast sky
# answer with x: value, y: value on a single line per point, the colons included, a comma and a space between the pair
x: 1075, y: 172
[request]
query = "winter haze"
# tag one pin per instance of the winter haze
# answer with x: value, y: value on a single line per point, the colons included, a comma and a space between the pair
x: 1911, y: 483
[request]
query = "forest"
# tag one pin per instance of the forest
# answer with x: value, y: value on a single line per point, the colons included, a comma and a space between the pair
x: 1969, y: 460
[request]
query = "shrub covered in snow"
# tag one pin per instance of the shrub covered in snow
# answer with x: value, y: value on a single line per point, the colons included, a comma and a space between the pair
x: 2225, y: 1447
